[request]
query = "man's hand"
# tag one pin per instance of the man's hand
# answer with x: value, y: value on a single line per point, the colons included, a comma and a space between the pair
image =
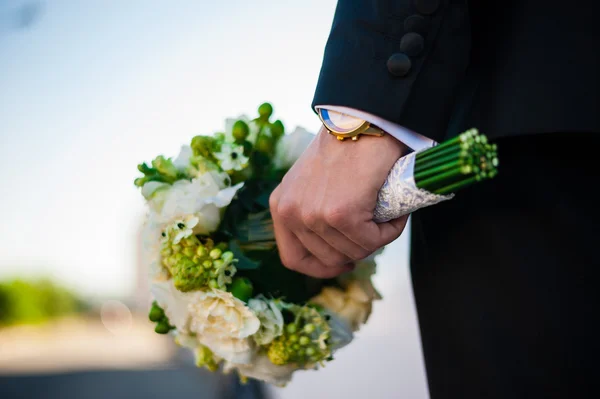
x: 323, y: 208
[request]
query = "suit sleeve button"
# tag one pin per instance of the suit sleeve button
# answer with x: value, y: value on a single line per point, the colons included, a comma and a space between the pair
x: 399, y: 64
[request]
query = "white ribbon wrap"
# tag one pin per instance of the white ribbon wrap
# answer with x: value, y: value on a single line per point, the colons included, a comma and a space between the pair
x: 400, y: 196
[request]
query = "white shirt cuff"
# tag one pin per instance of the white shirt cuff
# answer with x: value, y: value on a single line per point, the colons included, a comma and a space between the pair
x: 413, y: 140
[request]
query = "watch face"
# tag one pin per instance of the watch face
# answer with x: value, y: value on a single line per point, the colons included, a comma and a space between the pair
x: 338, y: 122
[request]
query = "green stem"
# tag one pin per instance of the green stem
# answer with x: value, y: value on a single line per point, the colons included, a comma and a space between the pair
x: 459, y: 171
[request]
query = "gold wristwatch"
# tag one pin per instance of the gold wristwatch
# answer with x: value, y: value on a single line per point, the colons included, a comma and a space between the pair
x: 345, y: 126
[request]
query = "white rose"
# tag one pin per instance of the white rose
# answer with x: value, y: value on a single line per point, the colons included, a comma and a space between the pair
x: 271, y: 320
x: 291, y: 146
x: 220, y: 321
x: 262, y: 369
x: 223, y: 323
x: 203, y: 197
x: 353, y: 305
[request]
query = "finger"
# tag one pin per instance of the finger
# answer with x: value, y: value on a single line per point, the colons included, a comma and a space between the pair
x: 291, y: 250
x: 340, y: 242
x: 390, y: 231
x: 311, y: 266
x: 321, y: 250
x: 370, y: 235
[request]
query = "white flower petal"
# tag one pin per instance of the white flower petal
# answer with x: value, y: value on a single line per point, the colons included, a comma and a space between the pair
x: 152, y: 187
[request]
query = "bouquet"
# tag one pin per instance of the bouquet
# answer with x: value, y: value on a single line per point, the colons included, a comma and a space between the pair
x: 218, y: 284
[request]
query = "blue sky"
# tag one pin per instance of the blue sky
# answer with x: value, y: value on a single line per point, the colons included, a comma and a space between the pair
x: 92, y: 88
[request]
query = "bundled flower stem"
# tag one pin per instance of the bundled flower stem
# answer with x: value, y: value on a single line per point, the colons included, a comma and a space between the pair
x: 456, y: 163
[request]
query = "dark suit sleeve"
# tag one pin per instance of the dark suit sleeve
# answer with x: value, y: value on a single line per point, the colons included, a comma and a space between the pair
x: 401, y: 60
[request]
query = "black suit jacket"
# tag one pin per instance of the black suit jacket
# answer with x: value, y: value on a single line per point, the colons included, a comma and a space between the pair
x: 440, y: 66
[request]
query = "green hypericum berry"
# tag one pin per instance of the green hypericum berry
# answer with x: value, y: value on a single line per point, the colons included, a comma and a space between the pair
x: 207, y: 264
x: 291, y: 328
x: 304, y: 341
x: 213, y: 284
x: 264, y: 144
x: 309, y: 328
x: 156, y: 313
x: 215, y: 253
x: 310, y: 351
x: 162, y: 328
x: 201, y: 251
x: 265, y: 111
x: 188, y: 251
x: 277, y: 129
x: 240, y: 131
x: 241, y: 288
x: 293, y: 338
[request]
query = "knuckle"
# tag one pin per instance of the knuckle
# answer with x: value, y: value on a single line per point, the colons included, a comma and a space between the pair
x: 311, y: 219
x: 274, y: 200
x: 336, y: 217
x: 287, y: 209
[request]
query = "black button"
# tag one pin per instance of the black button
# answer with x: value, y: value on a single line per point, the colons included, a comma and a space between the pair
x: 399, y: 64
x: 412, y: 44
x: 416, y: 23
x: 427, y: 6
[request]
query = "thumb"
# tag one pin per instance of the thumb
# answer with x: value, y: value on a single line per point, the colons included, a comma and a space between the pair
x: 390, y: 231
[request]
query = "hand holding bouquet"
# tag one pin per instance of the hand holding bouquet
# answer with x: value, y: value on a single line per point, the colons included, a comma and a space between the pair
x: 219, y: 285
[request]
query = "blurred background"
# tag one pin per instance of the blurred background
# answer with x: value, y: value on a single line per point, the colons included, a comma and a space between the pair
x: 88, y: 89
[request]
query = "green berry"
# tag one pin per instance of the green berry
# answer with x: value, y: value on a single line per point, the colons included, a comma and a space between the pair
x: 156, y: 314
x: 291, y: 328
x: 264, y: 144
x: 207, y: 264
x: 277, y: 129
x: 213, y: 283
x: 201, y: 251
x: 265, y: 111
x: 189, y: 252
x: 293, y: 338
x: 310, y: 351
x: 162, y: 328
x: 215, y: 253
x: 309, y: 328
x: 218, y: 263
x: 240, y: 131
x: 304, y: 340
